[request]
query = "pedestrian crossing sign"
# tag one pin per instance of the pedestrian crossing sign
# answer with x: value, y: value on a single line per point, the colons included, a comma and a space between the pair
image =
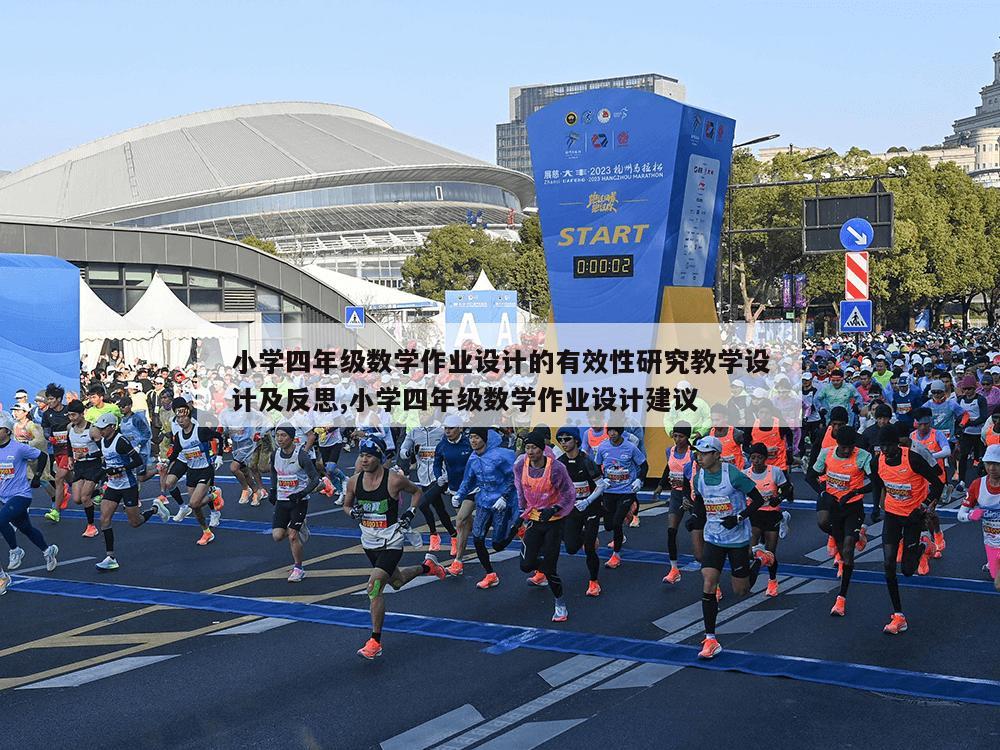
x: 354, y: 317
x: 856, y: 316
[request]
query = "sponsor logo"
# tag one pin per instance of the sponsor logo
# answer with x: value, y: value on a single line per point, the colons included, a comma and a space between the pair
x: 710, y: 129
x: 622, y: 113
x: 602, y: 203
x: 571, y: 118
x: 588, y: 117
x: 574, y: 145
x: 599, y: 140
x: 571, y: 139
x: 624, y: 234
x: 696, y: 127
x: 622, y: 138
x: 603, y: 115
x: 719, y: 130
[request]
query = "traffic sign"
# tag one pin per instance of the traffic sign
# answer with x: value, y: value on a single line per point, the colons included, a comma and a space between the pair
x: 856, y: 316
x: 856, y: 234
x: 354, y: 317
x: 855, y: 276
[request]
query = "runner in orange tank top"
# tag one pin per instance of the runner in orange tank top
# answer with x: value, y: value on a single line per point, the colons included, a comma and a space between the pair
x: 773, y: 485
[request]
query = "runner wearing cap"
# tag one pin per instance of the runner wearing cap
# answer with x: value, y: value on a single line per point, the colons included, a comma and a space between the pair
x: 546, y: 497
x: 677, y: 477
x: 912, y: 487
x: 451, y: 456
x: 15, y: 498
x: 774, y: 486
x: 983, y: 504
x: 625, y: 467
x: 372, y: 499
x: 732, y: 438
x: 120, y: 460
x: 940, y: 449
x: 135, y: 428
x: 721, y: 495
x: 905, y: 399
x: 191, y: 450
x: 969, y: 443
x: 293, y: 477
x: 30, y: 433
x: 812, y: 420
x: 491, y: 469
x: 242, y: 429
x: 581, y: 527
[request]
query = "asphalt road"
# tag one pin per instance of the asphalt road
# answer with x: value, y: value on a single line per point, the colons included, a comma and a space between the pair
x: 96, y: 660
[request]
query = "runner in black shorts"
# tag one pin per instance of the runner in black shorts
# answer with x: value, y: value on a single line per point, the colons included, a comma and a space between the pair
x: 677, y: 478
x: 293, y: 477
x: 581, y: 527
x: 372, y: 499
x: 773, y: 485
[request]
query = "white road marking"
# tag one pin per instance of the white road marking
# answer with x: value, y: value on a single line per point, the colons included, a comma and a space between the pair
x: 530, y: 735
x: 62, y: 563
x: 92, y: 674
x: 439, y: 728
x: 257, y: 626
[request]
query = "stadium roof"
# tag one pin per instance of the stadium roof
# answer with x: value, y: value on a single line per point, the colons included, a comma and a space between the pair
x: 233, y: 152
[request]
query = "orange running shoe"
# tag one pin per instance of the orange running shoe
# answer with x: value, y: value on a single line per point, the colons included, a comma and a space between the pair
x: 840, y: 569
x: 673, y: 576
x: 718, y: 593
x: 924, y: 566
x: 772, y: 587
x: 371, y: 649
x: 593, y: 589
x: 435, y: 544
x: 899, y: 553
x: 710, y: 648
x: 766, y: 557
x: 244, y: 497
x: 218, y: 503
x: 454, y: 546
x: 939, y: 543
x: 831, y: 546
x: 327, y: 488
x: 520, y: 532
x: 456, y: 568
x: 65, y: 497
x: 839, y: 607
x: 434, y: 568
x: 91, y: 531
x: 538, y: 579
x: 614, y: 561
x: 489, y: 581
x: 896, y: 625
x: 862, y: 542
x: 207, y: 537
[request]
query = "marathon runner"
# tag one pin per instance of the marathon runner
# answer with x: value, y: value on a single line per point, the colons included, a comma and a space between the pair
x: 293, y: 477
x: 55, y: 427
x: 677, y: 477
x: 191, y: 453
x: 625, y: 468
x: 721, y: 492
x: 134, y: 427
x: 983, y: 504
x: 420, y: 444
x: 372, y: 499
x: 581, y: 527
x: 15, y: 498
x: 451, y: 456
x: 240, y: 428
x: 85, y: 464
x: 774, y: 486
x: 121, y: 461
x: 969, y: 444
x: 546, y: 497
x: 940, y: 449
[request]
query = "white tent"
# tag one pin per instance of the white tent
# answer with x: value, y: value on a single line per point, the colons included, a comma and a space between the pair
x: 483, y: 284
x: 159, y: 307
x: 98, y: 323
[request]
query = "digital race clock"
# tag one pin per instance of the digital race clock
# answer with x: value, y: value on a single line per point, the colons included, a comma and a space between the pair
x: 603, y: 266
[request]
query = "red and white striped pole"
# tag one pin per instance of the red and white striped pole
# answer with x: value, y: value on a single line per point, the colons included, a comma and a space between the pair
x: 855, y: 276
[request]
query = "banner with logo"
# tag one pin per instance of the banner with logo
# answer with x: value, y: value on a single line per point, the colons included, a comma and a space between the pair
x: 487, y: 318
x: 630, y: 189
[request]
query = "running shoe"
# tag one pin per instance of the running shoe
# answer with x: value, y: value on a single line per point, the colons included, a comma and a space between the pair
x: 489, y: 581
x: 718, y: 593
x: 218, y: 501
x: 839, y: 607
x: 614, y: 561
x: 327, y: 488
x: 304, y: 532
x: 939, y: 544
x: 255, y: 498
x: 772, y: 587
x: 896, y: 625
x: 50, y: 557
x: 710, y: 648
x: 214, y: 518
x: 97, y: 497
x: 371, y: 649
x: 456, y: 568
x: 244, y: 497
x: 161, y: 510
x: 4, y: 582
x: 207, y: 537
x: 831, y: 546
x: 765, y: 556
x: 414, y: 539
x: 16, y: 555
x: 520, y: 532
x: 184, y: 512
x: 65, y: 497
x: 434, y: 568
x: 538, y: 579
x: 924, y: 566
x: 634, y: 523
x: 899, y: 553
x: 339, y: 500
x: 561, y: 614
x: 91, y: 531
x: 785, y: 523
x: 108, y: 563
x: 454, y: 546
x: 52, y: 515
x: 296, y: 575
x: 593, y: 589
x: 435, y: 543
x: 862, y: 542
x: 673, y: 576
x: 263, y: 494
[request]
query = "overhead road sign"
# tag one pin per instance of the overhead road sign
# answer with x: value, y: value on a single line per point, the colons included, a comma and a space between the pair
x: 856, y: 316
x: 847, y: 222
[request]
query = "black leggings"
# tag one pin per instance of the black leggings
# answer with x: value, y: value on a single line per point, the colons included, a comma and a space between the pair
x: 894, y: 529
x: 616, y: 507
x: 540, y: 551
x: 433, y: 500
x: 967, y: 444
x: 580, y: 530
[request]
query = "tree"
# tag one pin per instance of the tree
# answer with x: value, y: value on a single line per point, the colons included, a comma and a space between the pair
x: 263, y: 245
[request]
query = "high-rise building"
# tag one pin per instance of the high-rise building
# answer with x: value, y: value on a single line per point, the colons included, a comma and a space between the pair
x: 512, y: 138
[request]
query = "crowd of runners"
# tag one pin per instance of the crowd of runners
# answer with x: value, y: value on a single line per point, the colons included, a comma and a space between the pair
x: 908, y: 422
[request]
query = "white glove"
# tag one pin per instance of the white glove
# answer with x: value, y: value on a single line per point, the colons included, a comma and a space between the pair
x: 403, y: 453
x: 963, y: 513
x: 636, y: 485
x: 582, y: 503
x: 218, y: 462
x: 456, y: 501
x: 500, y: 505
x: 442, y: 480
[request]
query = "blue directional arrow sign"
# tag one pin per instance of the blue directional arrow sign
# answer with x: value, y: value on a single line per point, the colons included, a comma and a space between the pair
x: 354, y: 317
x: 856, y: 316
x: 856, y: 234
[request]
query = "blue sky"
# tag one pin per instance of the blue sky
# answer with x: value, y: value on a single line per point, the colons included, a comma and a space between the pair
x: 874, y: 74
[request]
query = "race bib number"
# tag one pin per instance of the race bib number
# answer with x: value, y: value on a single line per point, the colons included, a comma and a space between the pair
x: 618, y: 475
x: 288, y: 485
x: 192, y: 454
x: 718, y: 507
x: 898, y: 490
x: 425, y: 454
x: 6, y: 470
x: 904, y: 407
x: 80, y: 453
x: 837, y: 481
x: 582, y: 489
x: 677, y: 480
x: 772, y: 451
x: 60, y: 437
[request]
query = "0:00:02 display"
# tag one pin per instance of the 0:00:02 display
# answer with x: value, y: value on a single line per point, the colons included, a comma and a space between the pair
x: 602, y: 266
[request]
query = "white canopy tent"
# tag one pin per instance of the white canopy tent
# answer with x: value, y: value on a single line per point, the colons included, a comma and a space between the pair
x: 179, y: 325
x: 98, y: 323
